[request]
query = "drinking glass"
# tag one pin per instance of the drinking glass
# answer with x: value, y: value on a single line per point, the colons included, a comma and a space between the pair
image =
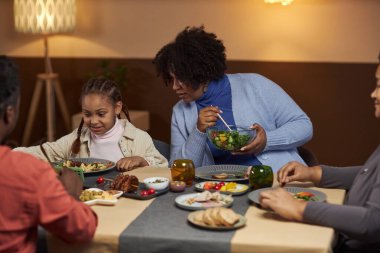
x: 183, y: 170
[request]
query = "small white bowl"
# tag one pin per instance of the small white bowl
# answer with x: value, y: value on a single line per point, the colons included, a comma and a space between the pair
x: 157, y: 183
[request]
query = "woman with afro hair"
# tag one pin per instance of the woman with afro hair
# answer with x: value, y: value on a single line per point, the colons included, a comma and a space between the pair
x: 194, y: 64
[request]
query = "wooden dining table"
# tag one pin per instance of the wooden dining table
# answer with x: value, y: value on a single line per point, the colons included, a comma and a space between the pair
x: 264, y: 231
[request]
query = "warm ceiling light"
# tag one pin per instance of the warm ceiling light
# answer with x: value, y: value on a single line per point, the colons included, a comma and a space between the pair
x: 283, y: 2
x: 44, y: 16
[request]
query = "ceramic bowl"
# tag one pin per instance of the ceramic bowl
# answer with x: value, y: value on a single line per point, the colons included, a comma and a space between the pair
x: 177, y: 186
x: 157, y: 183
x: 230, y: 140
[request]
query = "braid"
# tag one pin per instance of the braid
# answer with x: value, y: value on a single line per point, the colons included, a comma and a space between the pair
x: 105, y: 87
x: 75, y: 147
x: 126, y: 112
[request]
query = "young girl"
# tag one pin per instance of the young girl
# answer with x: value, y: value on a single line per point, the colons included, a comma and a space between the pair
x: 102, y: 134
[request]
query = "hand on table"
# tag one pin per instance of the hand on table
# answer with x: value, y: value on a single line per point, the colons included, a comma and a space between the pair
x: 71, y: 181
x: 207, y: 117
x: 295, y: 171
x: 257, y: 145
x: 130, y: 163
x: 283, y: 203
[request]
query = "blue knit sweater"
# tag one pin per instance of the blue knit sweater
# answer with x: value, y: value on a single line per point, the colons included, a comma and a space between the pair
x: 255, y: 99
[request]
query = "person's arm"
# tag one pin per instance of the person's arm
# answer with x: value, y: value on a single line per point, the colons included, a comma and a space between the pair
x: 189, y: 144
x: 142, y: 153
x: 360, y: 222
x: 322, y: 175
x: 60, y: 214
x: 57, y: 150
x: 293, y: 127
x: 338, y: 177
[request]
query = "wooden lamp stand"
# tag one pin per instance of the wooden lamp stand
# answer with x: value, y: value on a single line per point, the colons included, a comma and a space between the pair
x: 53, y: 89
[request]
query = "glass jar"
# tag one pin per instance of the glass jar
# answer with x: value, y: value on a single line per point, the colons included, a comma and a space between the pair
x: 183, y: 170
x: 260, y: 176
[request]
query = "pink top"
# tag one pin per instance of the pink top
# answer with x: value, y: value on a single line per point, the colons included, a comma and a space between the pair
x: 31, y: 195
x: 106, y: 146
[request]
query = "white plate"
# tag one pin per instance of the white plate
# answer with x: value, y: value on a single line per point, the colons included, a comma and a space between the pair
x: 108, y: 202
x: 240, y: 223
x: 239, y: 190
x: 181, y: 201
x: 254, y: 196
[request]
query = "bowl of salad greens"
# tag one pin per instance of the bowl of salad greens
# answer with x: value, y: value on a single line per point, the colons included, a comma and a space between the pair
x: 230, y: 140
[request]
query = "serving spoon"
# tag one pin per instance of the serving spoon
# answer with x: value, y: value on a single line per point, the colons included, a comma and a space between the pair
x: 220, y: 117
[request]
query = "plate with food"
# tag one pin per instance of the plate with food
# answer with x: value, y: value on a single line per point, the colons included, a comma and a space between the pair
x: 132, y: 188
x: 88, y: 165
x: 217, y: 218
x: 225, y: 172
x: 95, y: 196
x: 300, y: 193
x: 232, y: 188
x: 203, y: 200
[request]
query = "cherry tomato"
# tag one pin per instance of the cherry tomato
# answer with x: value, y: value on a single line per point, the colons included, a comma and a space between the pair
x: 151, y: 191
x: 208, y: 185
x: 217, y: 187
x: 100, y: 180
x: 144, y: 193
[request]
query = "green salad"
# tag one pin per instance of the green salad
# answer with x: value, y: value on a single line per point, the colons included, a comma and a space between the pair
x: 228, y: 140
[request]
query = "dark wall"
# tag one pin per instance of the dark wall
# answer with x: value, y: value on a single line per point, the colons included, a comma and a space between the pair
x: 334, y: 95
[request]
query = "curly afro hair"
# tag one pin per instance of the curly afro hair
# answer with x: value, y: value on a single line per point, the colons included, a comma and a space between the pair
x: 195, y: 58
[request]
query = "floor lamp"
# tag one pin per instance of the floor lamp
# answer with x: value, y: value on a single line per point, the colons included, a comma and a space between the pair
x: 45, y: 17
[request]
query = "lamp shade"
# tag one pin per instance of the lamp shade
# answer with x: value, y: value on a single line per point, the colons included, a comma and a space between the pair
x: 283, y: 2
x: 44, y: 16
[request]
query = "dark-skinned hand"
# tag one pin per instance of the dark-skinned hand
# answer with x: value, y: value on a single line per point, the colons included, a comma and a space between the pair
x: 257, y: 145
x: 71, y: 181
x: 295, y: 171
x: 283, y: 203
x: 207, y: 117
x: 130, y: 163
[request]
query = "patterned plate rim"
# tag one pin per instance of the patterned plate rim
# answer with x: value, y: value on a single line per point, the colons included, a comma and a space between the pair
x: 234, y: 193
x: 242, y: 221
x: 193, y: 208
x: 205, y: 172
x: 254, y: 195
x: 89, y: 160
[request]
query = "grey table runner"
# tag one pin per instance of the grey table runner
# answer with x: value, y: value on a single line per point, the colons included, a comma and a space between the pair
x: 163, y: 227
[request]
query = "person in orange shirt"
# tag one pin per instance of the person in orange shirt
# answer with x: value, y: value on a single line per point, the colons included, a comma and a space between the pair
x: 31, y: 193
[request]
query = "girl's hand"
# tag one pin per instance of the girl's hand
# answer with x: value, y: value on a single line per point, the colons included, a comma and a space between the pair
x: 130, y: 163
x: 295, y: 171
x: 207, y: 117
x: 257, y: 145
x: 283, y: 203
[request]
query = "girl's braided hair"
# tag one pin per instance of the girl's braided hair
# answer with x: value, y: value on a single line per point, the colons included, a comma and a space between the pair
x: 101, y: 86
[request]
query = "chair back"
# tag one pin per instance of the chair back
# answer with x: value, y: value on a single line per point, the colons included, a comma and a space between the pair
x: 163, y: 148
x: 308, y: 156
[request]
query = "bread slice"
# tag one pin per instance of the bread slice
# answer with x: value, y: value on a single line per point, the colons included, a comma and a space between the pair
x: 207, y: 218
x: 228, y: 217
x: 215, y: 216
x: 198, y: 217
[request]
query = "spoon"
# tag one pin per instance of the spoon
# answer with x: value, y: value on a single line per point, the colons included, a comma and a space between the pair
x: 220, y: 117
